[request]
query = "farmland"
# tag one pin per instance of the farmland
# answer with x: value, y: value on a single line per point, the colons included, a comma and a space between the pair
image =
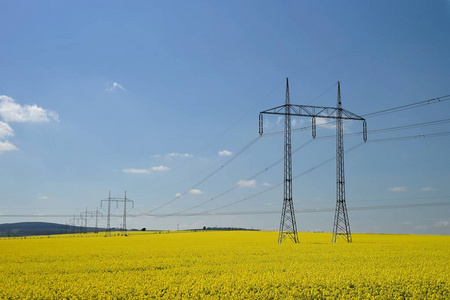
x: 238, y: 265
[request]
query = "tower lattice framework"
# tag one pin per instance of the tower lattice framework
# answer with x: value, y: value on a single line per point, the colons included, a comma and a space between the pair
x: 288, y: 225
x: 341, y: 226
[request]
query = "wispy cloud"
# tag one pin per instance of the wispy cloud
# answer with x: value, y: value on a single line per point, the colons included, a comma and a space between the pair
x: 279, y: 121
x: 398, y: 189
x: 7, y: 146
x: 195, y: 192
x: 225, y: 153
x: 178, y: 195
x: 146, y: 171
x: 5, y: 130
x: 323, y: 123
x: 114, y: 86
x: 297, y: 122
x: 407, y: 223
x: 428, y: 189
x: 266, y: 184
x: 136, y: 171
x: 160, y: 169
x: 421, y: 227
x: 178, y: 155
x: 441, y: 224
x: 43, y: 197
x: 247, y: 183
x: 10, y: 111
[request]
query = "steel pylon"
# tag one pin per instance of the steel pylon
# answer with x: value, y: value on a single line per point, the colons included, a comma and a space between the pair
x: 288, y: 226
x: 341, y: 227
x: 108, y: 218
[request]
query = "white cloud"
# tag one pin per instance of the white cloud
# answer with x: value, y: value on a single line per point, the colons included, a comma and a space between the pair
x: 421, y: 227
x: 136, y: 171
x: 43, y: 197
x: 178, y: 195
x: 266, y: 184
x: 160, y: 168
x: 398, y: 189
x: 407, y: 223
x: 146, y: 171
x: 114, y: 86
x: 10, y: 111
x: 247, y: 183
x: 297, y: 122
x: 325, y: 124
x: 5, y: 130
x: 7, y: 146
x: 428, y: 189
x: 279, y: 121
x: 179, y: 155
x: 267, y: 124
x: 225, y: 153
x: 441, y: 224
x: 195, y: 192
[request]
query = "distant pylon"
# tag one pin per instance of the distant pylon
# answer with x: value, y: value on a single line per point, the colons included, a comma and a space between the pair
x: 96, y: 220
x: 288, y: 226
x: 341, y: 227
x: 108, y: 220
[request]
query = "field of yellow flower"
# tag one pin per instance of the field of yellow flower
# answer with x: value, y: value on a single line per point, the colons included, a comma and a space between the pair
x: 230, y: 265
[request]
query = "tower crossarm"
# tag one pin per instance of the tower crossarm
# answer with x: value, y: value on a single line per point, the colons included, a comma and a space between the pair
x: 312, y: 112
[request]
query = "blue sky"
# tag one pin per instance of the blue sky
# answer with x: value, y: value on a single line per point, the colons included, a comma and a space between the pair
x: 150, y: 97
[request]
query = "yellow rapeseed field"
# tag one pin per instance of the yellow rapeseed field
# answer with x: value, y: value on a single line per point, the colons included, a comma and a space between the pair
x: 226, y: 265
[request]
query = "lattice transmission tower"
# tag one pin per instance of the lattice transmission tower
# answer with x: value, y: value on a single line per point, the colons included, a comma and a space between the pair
x: 341, y: 226
x: 90, y: 214
x: 125, y: 200
x: 288, y: 226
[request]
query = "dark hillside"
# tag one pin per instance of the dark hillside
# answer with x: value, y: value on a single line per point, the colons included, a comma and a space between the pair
x: 38, y: 228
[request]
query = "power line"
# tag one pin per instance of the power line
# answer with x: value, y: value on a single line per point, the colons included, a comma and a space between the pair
x: 408, y: 106
x: 180, y: 213
x: 280, y: 183
x: 250, y: 178
x: 296, y: 176
x: 311, y: 210
x: 236, y: 155
x: 411, y: 137
x: 331, y: 159
x: 389, y: 129
x: 364, y: 201
x: 316, y: 210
